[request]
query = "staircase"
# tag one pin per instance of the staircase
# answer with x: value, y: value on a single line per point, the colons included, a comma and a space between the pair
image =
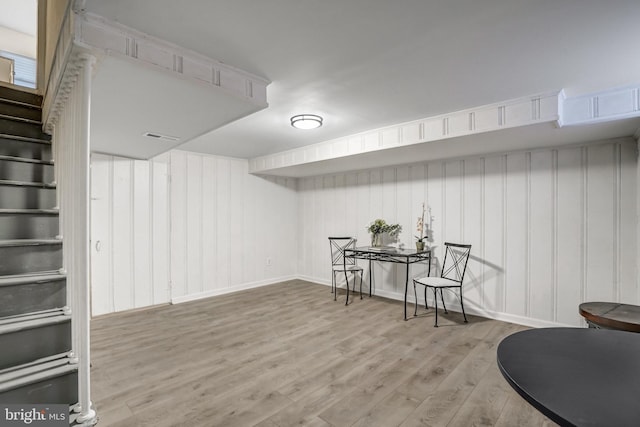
x: 35, y: 324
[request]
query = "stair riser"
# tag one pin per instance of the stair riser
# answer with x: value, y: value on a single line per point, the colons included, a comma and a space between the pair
x: 30, y: 297
x: 14, y: 197
x: 29, y: 130
x: 15, y: 110
x: 29, y: 259
x: 63, y: 389
x: 28, y: 150
x: 20, y: 96
x: 27, y: 172
x: 28, y: 226
x: 28, y: 345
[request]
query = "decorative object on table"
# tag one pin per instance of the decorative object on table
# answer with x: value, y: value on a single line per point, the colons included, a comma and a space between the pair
x: 378, y: 227
x: 454, y: 266
x: 422, y: 233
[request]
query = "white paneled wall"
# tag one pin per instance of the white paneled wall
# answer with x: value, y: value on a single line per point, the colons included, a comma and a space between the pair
x: 129, y: 233
x: 210, y: 229
x: 229, y: 230
x: 549, y: 228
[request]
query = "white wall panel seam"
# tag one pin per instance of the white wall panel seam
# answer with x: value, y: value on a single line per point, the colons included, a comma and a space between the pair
x: 483, y: 228
x: 132, y: 244
x: 186, y: 228
x: 503, y: 175
x: 554, y: 232
x: 152, y: 247
x: 169, y: 183
x: 462, y: 166
x: 527, y: 265
x: 617, y: 220
x: 585, y: 218
x: 111, y: 237
x: 200, y: 226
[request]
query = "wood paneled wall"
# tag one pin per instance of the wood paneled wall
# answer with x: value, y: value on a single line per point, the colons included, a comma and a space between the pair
x: 210, y: 228
x: 229, y: 230
x: 129, y: 233
x: 549, y: 228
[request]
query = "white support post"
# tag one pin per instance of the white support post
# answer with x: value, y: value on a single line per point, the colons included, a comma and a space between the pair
x: 81, y: 238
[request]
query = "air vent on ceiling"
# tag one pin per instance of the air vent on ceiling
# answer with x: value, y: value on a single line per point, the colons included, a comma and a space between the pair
x: 161, y: 137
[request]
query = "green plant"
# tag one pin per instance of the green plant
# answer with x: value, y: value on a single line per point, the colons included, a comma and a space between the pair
x: 380, y: 226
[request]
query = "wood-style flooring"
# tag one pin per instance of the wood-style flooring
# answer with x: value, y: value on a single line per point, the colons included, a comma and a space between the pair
x: 287, y: 354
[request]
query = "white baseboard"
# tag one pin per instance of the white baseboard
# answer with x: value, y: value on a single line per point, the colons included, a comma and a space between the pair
x: 242, y: 287
x: 468, y: 307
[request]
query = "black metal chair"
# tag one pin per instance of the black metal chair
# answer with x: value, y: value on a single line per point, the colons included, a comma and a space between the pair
x: 454, y: 266
x: 341, y: 265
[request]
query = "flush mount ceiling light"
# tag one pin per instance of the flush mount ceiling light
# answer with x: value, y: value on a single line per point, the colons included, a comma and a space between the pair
x: 306, y: 121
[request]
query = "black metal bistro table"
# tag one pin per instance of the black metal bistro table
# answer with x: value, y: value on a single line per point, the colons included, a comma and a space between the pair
x: 390, y: 254
x: 576, y: 376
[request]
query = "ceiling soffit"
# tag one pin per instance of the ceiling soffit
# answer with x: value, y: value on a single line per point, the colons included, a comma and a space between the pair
x: 156, y: 81
x: 393, y: 144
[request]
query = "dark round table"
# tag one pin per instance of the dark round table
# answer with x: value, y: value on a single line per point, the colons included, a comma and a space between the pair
x: 576, y: 376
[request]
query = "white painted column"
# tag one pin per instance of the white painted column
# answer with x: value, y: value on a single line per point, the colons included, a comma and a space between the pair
x: 81, y: 238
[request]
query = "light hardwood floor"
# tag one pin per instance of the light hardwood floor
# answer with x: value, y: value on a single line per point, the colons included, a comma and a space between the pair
x: 287, y: 354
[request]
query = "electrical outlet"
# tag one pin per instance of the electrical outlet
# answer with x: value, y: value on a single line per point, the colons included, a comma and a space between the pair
x: 268, y: 262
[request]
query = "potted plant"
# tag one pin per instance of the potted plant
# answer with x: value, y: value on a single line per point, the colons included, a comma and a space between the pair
x: 422, y: 233
x: 378, y: 227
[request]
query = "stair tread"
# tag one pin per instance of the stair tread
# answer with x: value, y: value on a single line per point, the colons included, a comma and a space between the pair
x: 21, y: 96
x: 25, y: 160
x: 37, y: 371
x: 26, y: 184
x: 30, y: 211
x: 17, y: 279
x: 29, y: 242
x: 21, y: 322
x: 25, y: 138
x: 59, y: 359
x: 20, y: 119
x: 19, y: 103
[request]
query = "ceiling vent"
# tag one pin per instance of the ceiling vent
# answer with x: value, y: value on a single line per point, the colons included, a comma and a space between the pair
x: 161, y: 137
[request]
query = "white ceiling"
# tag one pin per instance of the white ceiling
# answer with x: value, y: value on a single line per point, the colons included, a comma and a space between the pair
x: 364, y: 64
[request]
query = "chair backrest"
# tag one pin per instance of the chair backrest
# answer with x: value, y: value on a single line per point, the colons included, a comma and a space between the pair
x: 456, y: 257
x: 338, y: 245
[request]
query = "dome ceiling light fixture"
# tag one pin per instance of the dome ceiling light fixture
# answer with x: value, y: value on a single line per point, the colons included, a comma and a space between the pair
x: 306, y: 121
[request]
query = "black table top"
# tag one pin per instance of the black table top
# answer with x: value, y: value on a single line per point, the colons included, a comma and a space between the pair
x: 576, y: 376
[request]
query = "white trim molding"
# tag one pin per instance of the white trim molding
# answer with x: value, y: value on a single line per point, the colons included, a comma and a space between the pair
x: 551, y: 108
x: 612, y: 104
x: 527, y: 110
x: 242, y: 287
x: 97, y: 33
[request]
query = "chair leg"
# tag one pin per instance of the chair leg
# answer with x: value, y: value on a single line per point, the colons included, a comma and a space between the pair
x: 435, y: 299
x: 415, y: 295
x: 354, y: 281
x: 346, y: 278
x: 426, y: 307
x: 462, y: 305
x: 334, y: 286
x: 442, y: 298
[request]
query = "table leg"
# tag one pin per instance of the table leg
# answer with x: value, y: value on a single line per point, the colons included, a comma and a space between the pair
x: 370, y: 275
x: 406, y: 287
x: 346, y: 278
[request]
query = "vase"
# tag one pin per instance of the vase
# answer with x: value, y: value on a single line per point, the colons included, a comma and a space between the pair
x: 420, y: 246
x: 376, y: 240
